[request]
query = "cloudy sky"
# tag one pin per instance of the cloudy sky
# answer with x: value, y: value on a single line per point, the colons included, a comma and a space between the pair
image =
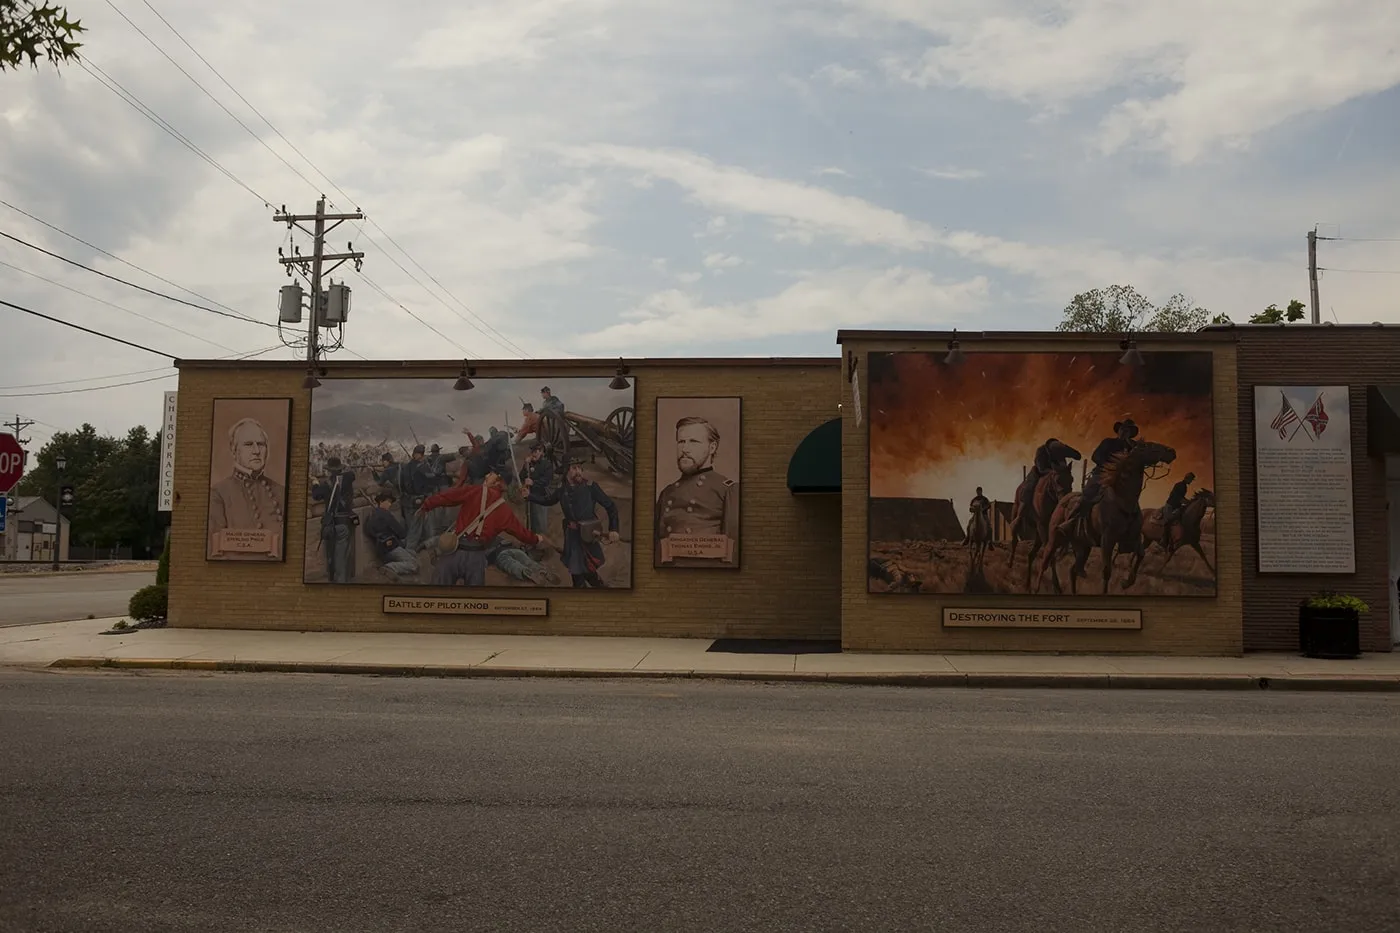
x: 639, y: 177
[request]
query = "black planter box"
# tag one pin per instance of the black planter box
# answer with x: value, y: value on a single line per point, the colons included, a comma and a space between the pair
x: 1329, y: 633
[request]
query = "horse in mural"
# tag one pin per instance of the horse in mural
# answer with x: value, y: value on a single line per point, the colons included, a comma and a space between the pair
x: 1031, y: 521
x: 1113, y: 524
x: 1185, y: 532
x: 979, y: 538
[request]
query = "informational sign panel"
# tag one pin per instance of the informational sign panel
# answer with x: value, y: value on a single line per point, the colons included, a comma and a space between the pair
x: 1303, y: 482
x: 4, y: 511
x: 165, y: 497
x: 1042, y: 618
x: 440, y: 605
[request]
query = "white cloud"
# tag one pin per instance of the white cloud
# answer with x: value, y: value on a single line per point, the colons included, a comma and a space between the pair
x: 1197, y: 73
x: 833, y: 170
x: 722, y: 261
x: 840, y: 76
x: 954, y: 174
x: 818, y: 304
x: 486, y: 33
x: 689, y: 278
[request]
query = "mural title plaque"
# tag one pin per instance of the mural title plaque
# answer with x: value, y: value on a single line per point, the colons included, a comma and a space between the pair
x: 466, y: 606
x: 1043, y: 618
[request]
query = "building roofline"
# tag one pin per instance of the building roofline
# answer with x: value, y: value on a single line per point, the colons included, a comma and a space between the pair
x: 1042, y: 336
x: 533, y: 366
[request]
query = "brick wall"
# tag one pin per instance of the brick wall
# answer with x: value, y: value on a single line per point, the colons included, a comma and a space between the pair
x: 1293, y: 355
x: 1180, y: 626
x: 788, y: 584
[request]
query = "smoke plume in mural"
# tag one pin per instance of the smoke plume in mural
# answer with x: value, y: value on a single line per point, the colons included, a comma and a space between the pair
x: 513, y: 482
x: 978, y: 474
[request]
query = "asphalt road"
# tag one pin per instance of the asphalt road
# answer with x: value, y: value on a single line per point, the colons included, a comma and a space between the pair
x: 75, y: 594
x: 307, y: 803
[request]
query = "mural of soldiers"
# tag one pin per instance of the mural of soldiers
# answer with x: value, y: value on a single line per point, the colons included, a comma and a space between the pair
x: 493, y: 457
x: 1123, y: 433
x: 579, y: 499
x: 385, y: 530
x: 529, y: 422
x: 539, y: 476
x: 703, y: 501
x: 893, y: 575
x: 337, y: 491
x: 979, y: 505
x: 1176, y: 501
x: 1051, y: 457
x: 247, y: 498
x: 416, y: 486
x: 550, y: 402
x: 388, y: 473
x: 482, y: 515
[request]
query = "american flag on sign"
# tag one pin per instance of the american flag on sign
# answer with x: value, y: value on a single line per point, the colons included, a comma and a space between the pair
x: 1287, y: 417
x: 1316, y: 417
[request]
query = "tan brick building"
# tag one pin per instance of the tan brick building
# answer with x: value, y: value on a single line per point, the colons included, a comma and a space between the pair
x: 817, y: 540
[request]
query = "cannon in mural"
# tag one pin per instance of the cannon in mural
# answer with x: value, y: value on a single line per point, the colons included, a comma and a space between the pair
x: 568, y: 435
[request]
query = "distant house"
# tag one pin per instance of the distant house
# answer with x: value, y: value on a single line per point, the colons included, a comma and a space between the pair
x: 29, y: 530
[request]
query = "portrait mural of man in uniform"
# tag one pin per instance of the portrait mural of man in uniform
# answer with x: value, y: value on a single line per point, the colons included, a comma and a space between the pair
x: 1042, y: 473
x: 248, y: 465
x: 512, y: 483
x: 697, y: 478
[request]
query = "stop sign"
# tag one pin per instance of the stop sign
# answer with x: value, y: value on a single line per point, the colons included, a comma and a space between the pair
x: 11, y: 462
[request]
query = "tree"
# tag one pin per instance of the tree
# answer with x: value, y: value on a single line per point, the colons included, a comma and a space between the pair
x: 1273, y: 314
x: 115, y: 483
x: 29, y: 32
x: 1121, y: 309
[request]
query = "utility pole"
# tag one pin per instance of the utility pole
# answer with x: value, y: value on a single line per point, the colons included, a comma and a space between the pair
x: 317, y: 264
x: 1312, y: 275
x: 17, y: 426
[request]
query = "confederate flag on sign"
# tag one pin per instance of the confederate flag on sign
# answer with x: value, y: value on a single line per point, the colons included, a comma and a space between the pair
x: 1316, y: 418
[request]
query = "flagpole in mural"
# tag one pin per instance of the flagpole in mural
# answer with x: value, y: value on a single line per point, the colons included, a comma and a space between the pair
x: 973, y: 484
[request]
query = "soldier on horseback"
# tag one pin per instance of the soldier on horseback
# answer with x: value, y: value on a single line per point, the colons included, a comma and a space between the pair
x: 1174, y: 506
x: 1124, y: 432
x: 979, y: 507
x: 1051, y: 457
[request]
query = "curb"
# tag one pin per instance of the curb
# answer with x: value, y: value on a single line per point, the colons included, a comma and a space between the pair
x: 1020, y: 681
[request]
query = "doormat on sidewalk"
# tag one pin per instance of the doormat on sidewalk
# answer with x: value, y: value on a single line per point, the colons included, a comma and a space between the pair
x: 774, y: 646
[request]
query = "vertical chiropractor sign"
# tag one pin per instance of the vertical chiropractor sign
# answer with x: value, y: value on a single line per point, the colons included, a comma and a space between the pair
x: 165, y: 497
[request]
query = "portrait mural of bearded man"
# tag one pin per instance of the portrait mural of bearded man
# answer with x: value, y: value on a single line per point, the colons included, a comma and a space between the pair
x: 1042, y: 473
x: 697, y: 477
x: 510, y: 482
x: 248, y: 465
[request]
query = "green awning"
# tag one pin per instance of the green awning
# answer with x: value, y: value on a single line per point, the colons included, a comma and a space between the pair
x: 1383, y: 420
x: 815, y: 466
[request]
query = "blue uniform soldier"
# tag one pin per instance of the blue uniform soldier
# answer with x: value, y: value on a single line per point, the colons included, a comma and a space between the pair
x: 579, y: 499
x: 337, y: 491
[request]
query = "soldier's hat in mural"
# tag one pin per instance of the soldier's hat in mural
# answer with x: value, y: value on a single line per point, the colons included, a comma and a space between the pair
x: 436, y: 449
x: 332, y: 463
x: 1128, y: 423
x: 418, y: 449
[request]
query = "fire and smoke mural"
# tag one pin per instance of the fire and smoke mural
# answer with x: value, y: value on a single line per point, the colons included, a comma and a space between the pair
x: 1041, y: 472
x: 512, y: 482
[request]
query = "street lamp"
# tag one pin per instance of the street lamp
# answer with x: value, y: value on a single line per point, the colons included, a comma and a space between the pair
x: 60, y: 464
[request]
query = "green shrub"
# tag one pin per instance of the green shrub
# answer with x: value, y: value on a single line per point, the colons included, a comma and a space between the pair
x: 148, y: 603
x: 163, y: 568
x: 1336, y: 601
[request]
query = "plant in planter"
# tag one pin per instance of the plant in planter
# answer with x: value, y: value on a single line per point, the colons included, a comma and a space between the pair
x: 1329, y: 625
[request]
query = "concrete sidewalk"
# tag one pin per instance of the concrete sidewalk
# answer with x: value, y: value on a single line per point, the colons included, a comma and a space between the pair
x: 81, y: 645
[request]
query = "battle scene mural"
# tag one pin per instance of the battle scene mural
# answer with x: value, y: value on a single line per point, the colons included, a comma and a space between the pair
x: 513, y: 482
x: 1020, y: 473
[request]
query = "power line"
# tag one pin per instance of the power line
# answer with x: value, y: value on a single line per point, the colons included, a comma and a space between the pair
x: 390, y: 298
x: 119, y: 259
x: 116, y: 88
x: 498, y: 338
x: 86, y: 330
x: 1361, y: 271
x: 149, y: 291
x: 156, y: 321
x: 135, y: 372
x: 1363, y: 239
x: 196, y: 83
x: 118, y: 385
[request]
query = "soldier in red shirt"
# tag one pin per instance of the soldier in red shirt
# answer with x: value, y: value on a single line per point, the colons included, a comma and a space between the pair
x: 482, y: 514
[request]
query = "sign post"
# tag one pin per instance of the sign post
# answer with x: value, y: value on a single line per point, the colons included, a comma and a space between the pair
x: 11, y: 462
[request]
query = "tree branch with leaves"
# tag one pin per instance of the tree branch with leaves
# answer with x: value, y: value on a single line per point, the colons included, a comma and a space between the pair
x: 30, y: 32
x: 1122, y: 309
